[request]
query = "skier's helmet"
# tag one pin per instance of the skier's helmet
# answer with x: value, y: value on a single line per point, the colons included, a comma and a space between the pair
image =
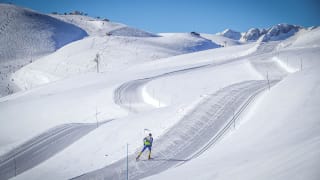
x: 150, y: 134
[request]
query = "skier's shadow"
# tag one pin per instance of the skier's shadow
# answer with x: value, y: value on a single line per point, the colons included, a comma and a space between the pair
x: 166, y: 159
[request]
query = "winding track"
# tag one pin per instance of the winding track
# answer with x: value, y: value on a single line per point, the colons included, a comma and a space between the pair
x: 42, y: 147
x: 197, y: 131
x: 191, y: 136
x: 129, y: 94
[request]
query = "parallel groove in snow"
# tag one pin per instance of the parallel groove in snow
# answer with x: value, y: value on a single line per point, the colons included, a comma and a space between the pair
x: 129, y: 94
x: 42, y: 147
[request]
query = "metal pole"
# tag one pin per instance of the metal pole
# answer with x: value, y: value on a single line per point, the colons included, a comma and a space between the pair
x: 15, y: 166
x: 96, y: 59
x: 268, y: 80
x: 97, y: 117
x: 98, y: 63
x: 234, y: 119
x: 127, y: 162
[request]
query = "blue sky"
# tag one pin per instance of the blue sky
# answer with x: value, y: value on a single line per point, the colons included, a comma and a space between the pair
x: 208, y: 16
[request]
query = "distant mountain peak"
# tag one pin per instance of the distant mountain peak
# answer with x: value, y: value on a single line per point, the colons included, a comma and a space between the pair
x: 276, y: 32
x: 229, y: 33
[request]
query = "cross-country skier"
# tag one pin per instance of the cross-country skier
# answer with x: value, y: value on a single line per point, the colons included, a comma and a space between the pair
x: 147, y: 143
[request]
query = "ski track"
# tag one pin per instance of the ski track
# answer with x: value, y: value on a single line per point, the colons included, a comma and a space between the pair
x: 42, y: 147
x: 129, y: 96
x: 191, y: 136
x: 262, y: 61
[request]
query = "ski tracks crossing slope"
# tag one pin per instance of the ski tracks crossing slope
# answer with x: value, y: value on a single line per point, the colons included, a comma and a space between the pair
x: 42, y: 147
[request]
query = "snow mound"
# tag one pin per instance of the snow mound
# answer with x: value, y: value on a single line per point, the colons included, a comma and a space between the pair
x: 221, y: 40
x: 129, y: 31
x: 186, y: 42
x: 230, y: 34
x: 197, y: 43
x: 275, y: 33
x: 307, y: 38
x: 25, y: 33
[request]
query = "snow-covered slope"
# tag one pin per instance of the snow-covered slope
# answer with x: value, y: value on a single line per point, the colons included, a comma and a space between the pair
x: 278, y: 139
x: 304, y: 38
x: 115, y: 53
x: 27, y: 33
x: 174, y: 85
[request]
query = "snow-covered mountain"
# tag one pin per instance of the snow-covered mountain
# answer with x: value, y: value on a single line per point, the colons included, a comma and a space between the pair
x: 230, y: 34
x: 247, y: 110
x: 277, y: 32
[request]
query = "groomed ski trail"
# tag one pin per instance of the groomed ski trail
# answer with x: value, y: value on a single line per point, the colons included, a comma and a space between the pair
x: 191, y: 136
x: 42, y: 147
x: 129, y: 95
